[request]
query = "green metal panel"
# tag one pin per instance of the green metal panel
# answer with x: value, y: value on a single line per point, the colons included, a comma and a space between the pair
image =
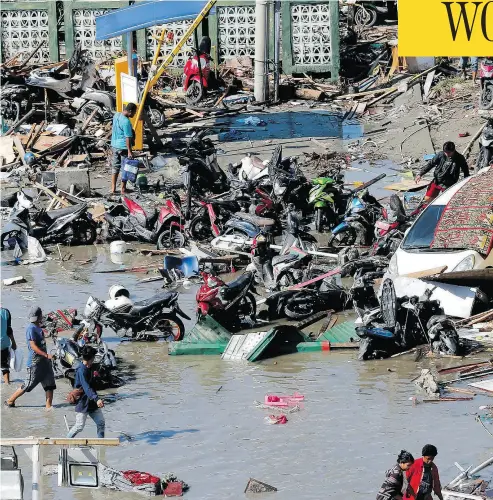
x: 340, y: 333
x: 182, y: 348
x: 207, y: 330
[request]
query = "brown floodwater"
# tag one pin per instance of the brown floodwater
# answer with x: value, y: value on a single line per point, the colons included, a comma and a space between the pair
x: 195, y: 416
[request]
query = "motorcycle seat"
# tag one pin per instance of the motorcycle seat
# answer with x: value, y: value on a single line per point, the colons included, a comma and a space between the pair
x: 239, y: 282
x: 142, y: 307
x: 61, y: 212
x: 255, y: 219
x: 284, y: 258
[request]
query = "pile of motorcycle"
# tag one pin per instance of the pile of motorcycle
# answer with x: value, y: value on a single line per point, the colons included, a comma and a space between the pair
x: 399, y: 324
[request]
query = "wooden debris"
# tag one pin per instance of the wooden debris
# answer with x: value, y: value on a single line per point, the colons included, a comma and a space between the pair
x: 309, y: 94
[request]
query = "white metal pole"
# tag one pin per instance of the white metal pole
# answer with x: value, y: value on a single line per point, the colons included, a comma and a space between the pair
x: 261, y: 47
x: 36, y: 479
x: 277, y: 46
x: 130, y: 53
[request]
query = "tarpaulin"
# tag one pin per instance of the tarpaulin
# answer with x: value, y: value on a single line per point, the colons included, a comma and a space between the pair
x: 144, y: 15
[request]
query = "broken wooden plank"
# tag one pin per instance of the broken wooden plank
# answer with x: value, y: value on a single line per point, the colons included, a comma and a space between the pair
x: 51, y: 194
x: 428, y: 84
x: 46, y: 141
x: 20, y: 149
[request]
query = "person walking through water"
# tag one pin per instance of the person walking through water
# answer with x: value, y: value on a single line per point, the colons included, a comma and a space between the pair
x: 89, y: 403
x: 7, y: 341
x: 447, y: 164
x: 394, y: 485
x: 423, y: 476
x: 39, y: 367
x: 122, y: 137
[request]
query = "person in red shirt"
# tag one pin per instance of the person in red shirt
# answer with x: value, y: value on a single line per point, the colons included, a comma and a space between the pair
x: 423, y: 476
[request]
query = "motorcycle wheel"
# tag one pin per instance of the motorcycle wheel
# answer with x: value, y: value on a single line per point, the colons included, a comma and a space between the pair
x: 170, y: 238
x: 299, y: 310
x: 319, y: 220
x: 345, y: 239
x: 87, y: 110
x: 7, y: 236
x: 156, y: 117
x: 195, y: 93
x: 85, y: 233
x: 451, y: 344
x: 200, y: 229
x: 365, y: 17
x: 487, y: 96
x: 286, y: 281
x: 247, y: 307
x: 171, y: 326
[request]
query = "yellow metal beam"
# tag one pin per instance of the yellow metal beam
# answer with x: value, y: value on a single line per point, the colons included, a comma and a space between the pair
x: 155, y: 73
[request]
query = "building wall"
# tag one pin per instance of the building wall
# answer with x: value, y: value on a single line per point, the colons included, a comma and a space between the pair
x: 310, y: 34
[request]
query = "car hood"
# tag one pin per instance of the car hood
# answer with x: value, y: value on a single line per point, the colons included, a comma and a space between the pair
x: 419, y: 261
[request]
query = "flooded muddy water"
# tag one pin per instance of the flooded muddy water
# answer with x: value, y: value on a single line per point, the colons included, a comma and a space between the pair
x: 195, y: 416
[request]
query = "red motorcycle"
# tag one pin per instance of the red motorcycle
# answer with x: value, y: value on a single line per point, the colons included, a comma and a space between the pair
x: 196, y: 79
x: 170, y: 228
x: 211, y: 217
x: 486, y: 79
x: 230, y: 304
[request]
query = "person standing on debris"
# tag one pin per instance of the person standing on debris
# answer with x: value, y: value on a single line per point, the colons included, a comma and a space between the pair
x: 122, y: 137
x: 89, y: 403
x: 423, y: 476
x: 394, y: 485
x: 447, y: 164
x: 464, y: 61
x: 7, y: 341
x: 39, y: 367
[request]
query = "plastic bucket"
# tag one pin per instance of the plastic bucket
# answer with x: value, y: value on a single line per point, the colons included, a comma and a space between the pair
x: 118, y: 247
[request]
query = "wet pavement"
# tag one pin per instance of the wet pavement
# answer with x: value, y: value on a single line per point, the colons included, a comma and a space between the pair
x: 195, y: 415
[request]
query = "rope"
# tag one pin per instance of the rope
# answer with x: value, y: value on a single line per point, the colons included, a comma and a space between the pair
x: 480, y: 420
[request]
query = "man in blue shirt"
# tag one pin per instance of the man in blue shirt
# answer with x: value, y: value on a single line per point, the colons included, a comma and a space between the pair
x: 39, y: 367
x: 89, y: 403
x: 6, y: 342
x: 121, y: 142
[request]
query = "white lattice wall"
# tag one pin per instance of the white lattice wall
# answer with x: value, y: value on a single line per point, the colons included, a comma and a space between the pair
x: 178, y: 29
x: 311, y: 34
x: 85, y: 34
x: 236, y: 31
x: 22, y: 30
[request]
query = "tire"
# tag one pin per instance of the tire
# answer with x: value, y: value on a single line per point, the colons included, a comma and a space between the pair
x: 170, y: 238
x: 85, y: 233
x: 87, y: 110
x: 451, y: 344
x: 365, y: 17
x: 319, y: 220
x: 487, y: 96
x: 170, y: 324
x: 299, y: 310
x: 195, y: 93
x: 156, y: 117
x: 285, y: 281
x: 342, y: 239
x: 250, y: 302
x: 200, y: 229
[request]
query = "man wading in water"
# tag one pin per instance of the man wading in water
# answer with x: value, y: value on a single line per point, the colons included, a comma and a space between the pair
x: 423, y: 476
x: 39, y: 367
x: 448, y: 165
x: 121, y: 143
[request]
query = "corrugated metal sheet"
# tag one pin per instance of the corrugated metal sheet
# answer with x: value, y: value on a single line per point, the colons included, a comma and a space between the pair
x: 242, y: 347
x: 341, y: 333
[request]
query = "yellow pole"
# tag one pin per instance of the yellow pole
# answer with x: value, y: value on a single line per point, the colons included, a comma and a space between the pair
x: 149, y: 78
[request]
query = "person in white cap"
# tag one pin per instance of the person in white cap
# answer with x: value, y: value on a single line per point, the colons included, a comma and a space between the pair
x: 39, y: 367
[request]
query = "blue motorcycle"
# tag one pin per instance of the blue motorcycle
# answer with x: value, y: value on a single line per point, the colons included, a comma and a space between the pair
x: 358, y: 223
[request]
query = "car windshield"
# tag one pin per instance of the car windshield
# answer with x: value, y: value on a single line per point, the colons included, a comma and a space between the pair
x: 422, y: 232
